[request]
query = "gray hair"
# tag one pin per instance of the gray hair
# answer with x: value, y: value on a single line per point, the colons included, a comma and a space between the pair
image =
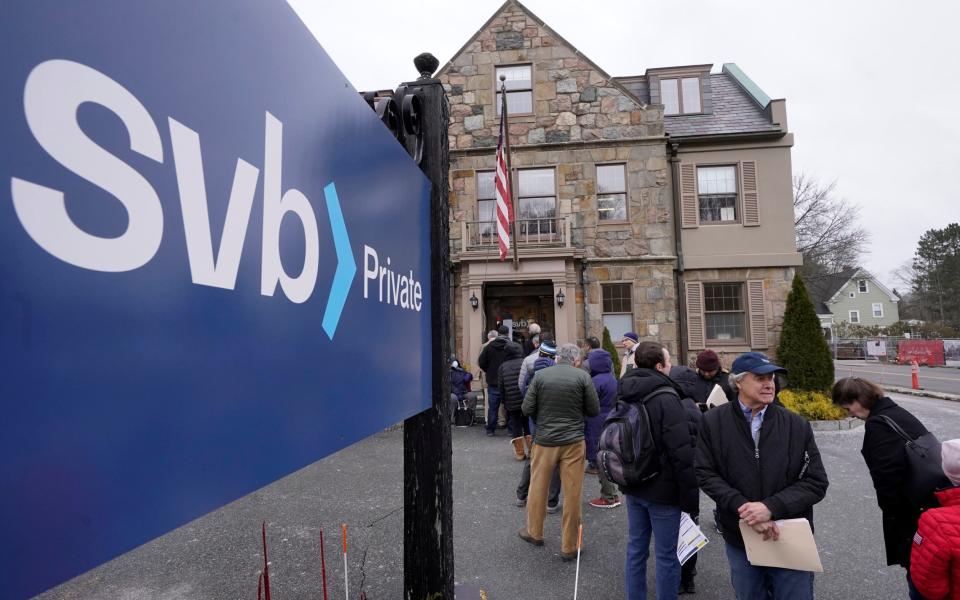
x: 534, y: 329
x: 734, y: 380
x: 568, y: 354
x: 492, y: 334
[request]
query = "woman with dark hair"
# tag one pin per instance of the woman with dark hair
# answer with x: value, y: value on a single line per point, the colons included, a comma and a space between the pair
x: 885, y: 455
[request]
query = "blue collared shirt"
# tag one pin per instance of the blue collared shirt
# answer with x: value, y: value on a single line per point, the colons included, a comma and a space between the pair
x: 755, y: 421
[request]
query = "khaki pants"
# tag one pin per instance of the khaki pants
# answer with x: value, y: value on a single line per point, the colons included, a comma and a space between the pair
x: 570, y: 459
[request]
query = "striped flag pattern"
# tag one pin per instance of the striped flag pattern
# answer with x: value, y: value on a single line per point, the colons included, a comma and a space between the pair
x: 502, y: 183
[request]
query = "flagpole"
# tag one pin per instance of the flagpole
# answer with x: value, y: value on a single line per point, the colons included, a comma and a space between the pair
x: 513, y: 199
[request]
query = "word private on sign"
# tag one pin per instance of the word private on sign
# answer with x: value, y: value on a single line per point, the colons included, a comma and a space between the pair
x: 393, y: 288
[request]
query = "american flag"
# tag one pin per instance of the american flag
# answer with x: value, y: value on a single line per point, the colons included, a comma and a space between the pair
x: 502, y: 183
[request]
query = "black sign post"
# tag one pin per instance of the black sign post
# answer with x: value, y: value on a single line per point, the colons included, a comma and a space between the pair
x: 427, y: 446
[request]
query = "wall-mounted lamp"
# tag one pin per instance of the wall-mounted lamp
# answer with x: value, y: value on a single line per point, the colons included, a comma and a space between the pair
x: 560, y: 298
x: 474, y: 301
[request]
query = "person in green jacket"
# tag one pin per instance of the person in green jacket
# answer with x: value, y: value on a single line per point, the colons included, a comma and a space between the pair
x: 558, y: 400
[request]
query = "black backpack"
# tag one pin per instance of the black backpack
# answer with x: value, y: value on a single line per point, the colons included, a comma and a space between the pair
x: 627, y: 452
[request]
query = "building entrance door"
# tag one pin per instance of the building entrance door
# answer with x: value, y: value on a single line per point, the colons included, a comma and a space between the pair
x: 521, y: 303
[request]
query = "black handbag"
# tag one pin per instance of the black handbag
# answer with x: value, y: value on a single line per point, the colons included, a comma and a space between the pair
x: 926, y: 472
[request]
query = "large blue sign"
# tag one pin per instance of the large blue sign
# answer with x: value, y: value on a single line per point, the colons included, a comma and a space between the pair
x: 214, y: 270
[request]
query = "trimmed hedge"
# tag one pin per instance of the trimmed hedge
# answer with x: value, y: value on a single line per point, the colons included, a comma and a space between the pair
x: 814, y: 406
x: 803, y: 350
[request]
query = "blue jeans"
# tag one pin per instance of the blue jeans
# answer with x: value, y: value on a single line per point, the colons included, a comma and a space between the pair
x: 763, y: 583
x: 493, y: 407
x: 663, y: 521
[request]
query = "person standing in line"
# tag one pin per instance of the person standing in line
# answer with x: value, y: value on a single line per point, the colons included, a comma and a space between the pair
x: 883, y: 451
x: 546, y: 355
x: 686, y: 380
x: 533, y: 339
x: 559, y: 399
x: 935, y: 558
x: 512, y: 399
x: 491, y: 357
x: 630, y: 342
x: 709, y: 374
x: 589, y: 345
x: 601, y: 366
x: 654, y: 506
x: 760, y: 463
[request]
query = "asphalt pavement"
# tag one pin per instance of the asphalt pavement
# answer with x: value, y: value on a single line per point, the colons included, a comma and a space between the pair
x: 935, y: 379
x: 218, y: 556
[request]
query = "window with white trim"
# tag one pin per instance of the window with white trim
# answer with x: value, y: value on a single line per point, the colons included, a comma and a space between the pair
x: 536, y: 202
x: 878, y: 310
x: 617, y: 301
x: 519, y: 84
x: 854, y: 316
x: 717, y: 194
x: 486, y: 203
x: 862, y: 286
x: 680, y: 96
x: 612, y: 192
x: 724, y: 312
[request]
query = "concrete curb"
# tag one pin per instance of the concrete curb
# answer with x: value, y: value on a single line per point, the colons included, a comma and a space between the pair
x: 841, y: 425
x: 923, y: 393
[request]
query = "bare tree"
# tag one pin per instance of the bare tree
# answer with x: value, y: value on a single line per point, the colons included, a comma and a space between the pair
x: 828, y: 234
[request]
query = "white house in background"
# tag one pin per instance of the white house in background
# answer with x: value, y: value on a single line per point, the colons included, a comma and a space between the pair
x: 852, y: 296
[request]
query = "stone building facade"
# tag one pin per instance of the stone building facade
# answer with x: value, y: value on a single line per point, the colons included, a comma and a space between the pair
x: 593, y: 178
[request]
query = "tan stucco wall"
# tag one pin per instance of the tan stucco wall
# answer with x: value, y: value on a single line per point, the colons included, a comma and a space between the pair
x: 735, y: 245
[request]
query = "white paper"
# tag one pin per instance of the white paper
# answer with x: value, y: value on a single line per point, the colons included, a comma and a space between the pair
x: 795, y: 549
x: 717, y: 397
x: 690, y: 539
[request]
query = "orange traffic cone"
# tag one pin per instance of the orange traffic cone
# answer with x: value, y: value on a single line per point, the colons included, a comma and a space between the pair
x: 914, y: 375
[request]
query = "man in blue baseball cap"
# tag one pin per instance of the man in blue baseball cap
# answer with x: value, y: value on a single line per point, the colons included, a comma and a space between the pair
x: 759, y: 462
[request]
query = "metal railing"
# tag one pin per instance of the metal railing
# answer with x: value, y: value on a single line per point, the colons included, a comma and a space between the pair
x: 531, y: 233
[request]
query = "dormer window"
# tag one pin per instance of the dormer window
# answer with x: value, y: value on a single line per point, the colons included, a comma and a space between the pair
x: 519, y: 84
x: 680, y: 96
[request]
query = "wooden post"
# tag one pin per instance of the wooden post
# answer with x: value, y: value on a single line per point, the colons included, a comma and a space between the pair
x: 427, y: 446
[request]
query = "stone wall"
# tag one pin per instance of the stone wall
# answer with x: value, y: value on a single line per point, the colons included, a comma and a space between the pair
x: 573, y: 100
x: 653, y: 294
x: 648, y: 230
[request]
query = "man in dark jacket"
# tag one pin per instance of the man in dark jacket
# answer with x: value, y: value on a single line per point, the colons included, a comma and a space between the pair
x: 491, y: 357
x: 759, y: 462
x: 654, y: 506
x: 710, y: 374
x: 686, y: 380
x: 559, y: 399
x: 509, y: 387
x: 601, y: 371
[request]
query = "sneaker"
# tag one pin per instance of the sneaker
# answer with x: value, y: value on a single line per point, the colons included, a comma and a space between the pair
x: 521, y: 502
x: 525, y: 536
x: 490, y: 433
x: 552, y: 508
x: 604, y: 503
x: 687, y: 587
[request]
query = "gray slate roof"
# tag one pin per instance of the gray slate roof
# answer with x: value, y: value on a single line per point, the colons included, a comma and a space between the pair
x: 733, y: 111
x: 822, y: 287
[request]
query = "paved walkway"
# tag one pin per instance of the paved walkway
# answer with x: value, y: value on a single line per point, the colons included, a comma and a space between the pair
x: 218, y: 556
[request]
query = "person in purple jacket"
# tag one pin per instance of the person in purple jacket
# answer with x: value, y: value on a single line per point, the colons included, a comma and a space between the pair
x: 601, y: 371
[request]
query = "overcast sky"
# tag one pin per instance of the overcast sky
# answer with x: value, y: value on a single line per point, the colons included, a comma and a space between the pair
x: 873, y: 97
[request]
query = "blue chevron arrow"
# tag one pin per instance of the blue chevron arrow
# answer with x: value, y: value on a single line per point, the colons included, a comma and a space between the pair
x: 346, y: 266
